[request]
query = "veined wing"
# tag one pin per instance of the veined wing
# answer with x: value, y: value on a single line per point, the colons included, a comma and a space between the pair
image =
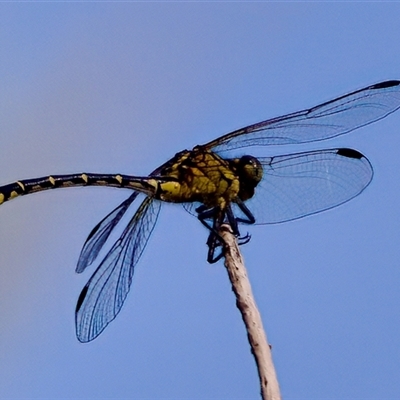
x: 296, y: 185
x: 327, y: 120
x: 101, y: 299
x: 100, y: 233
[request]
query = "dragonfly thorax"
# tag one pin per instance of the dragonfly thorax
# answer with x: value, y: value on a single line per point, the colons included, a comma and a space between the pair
x: 200, y: 176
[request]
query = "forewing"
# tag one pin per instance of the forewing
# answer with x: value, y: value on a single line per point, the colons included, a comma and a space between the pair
x: 100, y: 233
x: 324, y: 121
x: 301, y: 184
x: 101, y: 299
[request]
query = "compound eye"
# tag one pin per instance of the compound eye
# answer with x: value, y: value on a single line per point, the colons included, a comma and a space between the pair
x: 247, y: 160
x: 251, y: 168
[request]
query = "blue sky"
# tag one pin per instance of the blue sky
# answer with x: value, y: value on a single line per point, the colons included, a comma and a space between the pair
x: 121, y: 87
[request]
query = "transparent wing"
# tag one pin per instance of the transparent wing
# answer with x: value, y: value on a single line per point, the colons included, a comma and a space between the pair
x: 101, y: 299
x: 324, y: 121
x: 301, y: 184
x: 100, y: 233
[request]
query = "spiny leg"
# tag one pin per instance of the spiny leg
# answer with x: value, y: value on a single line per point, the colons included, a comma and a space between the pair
x: 250, y: 220
x: 204, y: 214
x: 218, y: 218
x: 214, y: 239
x: 250, y: 217
x: 214, y: 242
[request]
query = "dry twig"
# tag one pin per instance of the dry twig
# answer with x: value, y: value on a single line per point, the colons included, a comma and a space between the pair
x: 251, y: 316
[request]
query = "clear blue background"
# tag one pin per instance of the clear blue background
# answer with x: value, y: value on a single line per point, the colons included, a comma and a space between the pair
x: 121, y: 87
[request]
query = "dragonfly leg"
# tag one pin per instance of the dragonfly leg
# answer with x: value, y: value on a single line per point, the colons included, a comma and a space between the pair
x: 204, y: 214
x: 214, y: 240
x: 233, y: 221
x: 250, y: 217
x: 249, y: 220
x: 244, y: 239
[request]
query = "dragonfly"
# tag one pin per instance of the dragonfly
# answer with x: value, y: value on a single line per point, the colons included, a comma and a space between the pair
x: 220, y: 189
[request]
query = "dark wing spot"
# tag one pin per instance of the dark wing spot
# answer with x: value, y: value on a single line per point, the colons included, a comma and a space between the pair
x: 81, y: 298
x: 386, y: 84
x: 350, y: 153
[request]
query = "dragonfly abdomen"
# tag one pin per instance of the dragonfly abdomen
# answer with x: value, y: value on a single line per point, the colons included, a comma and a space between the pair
x: 27, y: 186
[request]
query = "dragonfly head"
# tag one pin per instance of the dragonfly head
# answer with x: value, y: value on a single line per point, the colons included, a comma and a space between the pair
x: 250, y: 173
